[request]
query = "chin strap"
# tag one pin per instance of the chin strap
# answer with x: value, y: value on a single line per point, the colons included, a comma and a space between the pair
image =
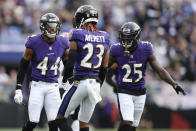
x: 126, y: 52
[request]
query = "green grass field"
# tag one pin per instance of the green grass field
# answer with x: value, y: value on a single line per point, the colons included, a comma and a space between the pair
x: 13, y: 129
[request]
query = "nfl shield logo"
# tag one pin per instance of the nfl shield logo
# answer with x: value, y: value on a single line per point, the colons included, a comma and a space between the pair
x: 50, y: 48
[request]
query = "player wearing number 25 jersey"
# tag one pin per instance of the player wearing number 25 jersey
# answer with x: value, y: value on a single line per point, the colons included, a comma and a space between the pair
x: 131, y: 68
x: 45, y: 52
x: 89, y: 52
x: 130, y: 58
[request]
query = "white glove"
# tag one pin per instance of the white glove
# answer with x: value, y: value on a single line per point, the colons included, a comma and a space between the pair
x: 18, y: 98
x: 65, y: 86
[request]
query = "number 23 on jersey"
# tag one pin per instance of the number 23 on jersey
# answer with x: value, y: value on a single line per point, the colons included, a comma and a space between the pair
x: 85, y: 61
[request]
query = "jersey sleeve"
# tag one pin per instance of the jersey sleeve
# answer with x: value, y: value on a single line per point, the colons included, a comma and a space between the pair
x: 66, y: 42
x: 149, y: 48
x: 113, y: 50
x: 29, y: 43
x: 107, y: 42
x: 74, y: 34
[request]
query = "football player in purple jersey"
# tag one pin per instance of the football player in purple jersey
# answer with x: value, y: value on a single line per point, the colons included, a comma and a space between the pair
x: 73, y: 118
x: 130, y: 58
x: 89, y: 53
x: 44, y: 51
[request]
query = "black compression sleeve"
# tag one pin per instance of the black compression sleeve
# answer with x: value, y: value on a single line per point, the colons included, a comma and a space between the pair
x: 70, y: 73
x: 102, y: 74
x: 109, y: 75
x: 21, y: 72
x: 64, y: 63
x: 68, y: 70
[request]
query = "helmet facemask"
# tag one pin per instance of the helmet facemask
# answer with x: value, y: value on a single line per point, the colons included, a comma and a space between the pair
x: 129, y: 35
x: 50, y: 25
x: 129, y: 39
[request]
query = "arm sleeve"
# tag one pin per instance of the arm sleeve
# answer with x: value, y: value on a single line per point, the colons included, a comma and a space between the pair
x: 68, y: 70
x: 66, y: 42
x: 21, y: 73
x: 109, y: 76
x: 113, y: 51
x: 29, y: 43
x: 149, y: 49
x: 74, y: 34
x: 102, y: 74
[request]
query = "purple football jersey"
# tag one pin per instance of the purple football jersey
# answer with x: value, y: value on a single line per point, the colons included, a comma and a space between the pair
x: 92, y: 47
x: 46, y: 58
x: 132, y: 68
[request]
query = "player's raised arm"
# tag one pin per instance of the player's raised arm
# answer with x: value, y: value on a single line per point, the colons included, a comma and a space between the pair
x: 163, y: 74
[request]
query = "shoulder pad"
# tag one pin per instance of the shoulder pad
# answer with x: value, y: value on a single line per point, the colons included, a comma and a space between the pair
x: 115, y: 44
x: 31, y: 36
x: 102, y: 31
x: 78, y: 29
x: 147, y: 43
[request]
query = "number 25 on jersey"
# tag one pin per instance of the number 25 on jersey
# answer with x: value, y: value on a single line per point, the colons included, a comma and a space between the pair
x: 136, y: 70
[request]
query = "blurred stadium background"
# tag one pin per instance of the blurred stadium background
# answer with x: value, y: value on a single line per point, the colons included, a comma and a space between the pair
x: 169, y: 24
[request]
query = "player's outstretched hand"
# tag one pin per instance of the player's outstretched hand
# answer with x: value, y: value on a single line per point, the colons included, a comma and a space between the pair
x: 18, y: 97
x: 179, y: 89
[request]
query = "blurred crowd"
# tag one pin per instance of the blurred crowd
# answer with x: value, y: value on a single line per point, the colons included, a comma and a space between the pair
x: 170, y: 25
x: 7, y: 84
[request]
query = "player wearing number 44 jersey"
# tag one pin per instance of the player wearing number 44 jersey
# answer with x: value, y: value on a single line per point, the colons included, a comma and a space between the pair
x: 89, y: 55
x: 45, y: 51
x: 130, y: 58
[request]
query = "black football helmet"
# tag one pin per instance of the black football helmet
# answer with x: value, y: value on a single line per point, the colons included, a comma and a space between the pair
x: 84, y: 14
x: 50, y: 25
x: 129, y: 34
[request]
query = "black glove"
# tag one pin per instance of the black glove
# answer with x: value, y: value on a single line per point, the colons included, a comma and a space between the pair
x: 71, y: 80
x: 179, y: 89
x: 115, y: 89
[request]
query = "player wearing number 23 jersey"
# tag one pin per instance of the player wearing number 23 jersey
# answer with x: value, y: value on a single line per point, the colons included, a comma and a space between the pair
x: 89, y: 52
x: 92, y: 46
x: 44, y: 51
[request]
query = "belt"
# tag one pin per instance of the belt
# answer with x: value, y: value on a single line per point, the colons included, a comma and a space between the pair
x: 132, y: 91
x: 87, y: 77
x: 34, y: 79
